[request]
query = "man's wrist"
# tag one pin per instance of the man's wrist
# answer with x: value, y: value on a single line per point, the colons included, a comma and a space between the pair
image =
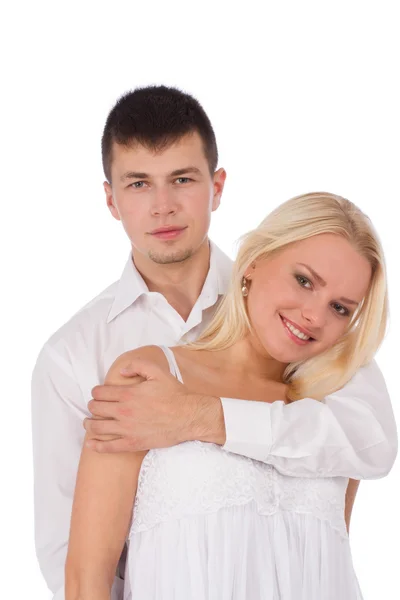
x: 207, y: 423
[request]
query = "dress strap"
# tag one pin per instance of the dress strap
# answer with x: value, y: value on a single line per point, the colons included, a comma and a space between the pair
x: 173, y: 365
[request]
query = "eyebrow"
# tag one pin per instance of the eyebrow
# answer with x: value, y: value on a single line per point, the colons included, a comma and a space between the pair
x: 193, y: 170
x: 133, y: 175
x: 322, y: 283
x: 176, y: 173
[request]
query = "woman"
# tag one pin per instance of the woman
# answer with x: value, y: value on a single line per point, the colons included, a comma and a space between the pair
x: 306, y: 309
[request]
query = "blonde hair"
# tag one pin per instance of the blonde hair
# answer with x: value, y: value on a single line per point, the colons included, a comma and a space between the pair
x: 297, y: 219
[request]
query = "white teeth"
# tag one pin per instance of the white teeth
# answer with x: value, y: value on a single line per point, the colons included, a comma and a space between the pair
x: 296, y: 332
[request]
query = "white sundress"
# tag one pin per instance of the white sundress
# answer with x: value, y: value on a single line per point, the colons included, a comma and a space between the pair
x: 212, y: 525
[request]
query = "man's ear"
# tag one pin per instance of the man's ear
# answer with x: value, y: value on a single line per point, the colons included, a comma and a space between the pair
x: 110, y: 201
x: 219, y: 182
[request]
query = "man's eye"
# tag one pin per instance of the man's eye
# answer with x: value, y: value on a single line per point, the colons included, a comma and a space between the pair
x: 183, y: 180
x: 303, y: 281
x: 137, y: 185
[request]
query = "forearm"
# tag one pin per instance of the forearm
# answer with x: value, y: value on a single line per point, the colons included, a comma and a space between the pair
x: 207, y: 423
x: 305, y: 438
x: 80, y: 585
x: 99, y: 524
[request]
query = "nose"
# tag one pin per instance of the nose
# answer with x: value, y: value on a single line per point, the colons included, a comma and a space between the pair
x: 314, y: 314
x: 163, y: 203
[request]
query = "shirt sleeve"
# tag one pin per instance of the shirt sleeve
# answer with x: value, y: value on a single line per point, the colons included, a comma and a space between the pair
x: 58, y: 410
x: 351, y: 433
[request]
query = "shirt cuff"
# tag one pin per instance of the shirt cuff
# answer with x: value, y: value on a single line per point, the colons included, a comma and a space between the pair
x: 248, y: 428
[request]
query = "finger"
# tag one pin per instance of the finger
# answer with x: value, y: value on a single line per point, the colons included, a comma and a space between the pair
x: 112, y: 447
x: 95, y: 427
x: 142, y: 368
x: 104, y: 410
x: 110, y: 393
x: 103, y: 438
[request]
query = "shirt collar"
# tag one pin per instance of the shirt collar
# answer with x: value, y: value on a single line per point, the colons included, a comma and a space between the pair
x: 132, y: 285
x: 218, y: 277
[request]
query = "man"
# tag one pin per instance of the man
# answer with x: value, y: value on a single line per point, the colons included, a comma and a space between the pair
x: 160, y: 159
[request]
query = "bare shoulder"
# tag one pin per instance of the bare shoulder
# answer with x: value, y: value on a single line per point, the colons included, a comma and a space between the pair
x: 152, y: 354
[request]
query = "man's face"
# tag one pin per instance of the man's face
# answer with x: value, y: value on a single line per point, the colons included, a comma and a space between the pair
x: 165, y: 199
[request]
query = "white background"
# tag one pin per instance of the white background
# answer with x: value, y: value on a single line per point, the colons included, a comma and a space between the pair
x: 303, y: 97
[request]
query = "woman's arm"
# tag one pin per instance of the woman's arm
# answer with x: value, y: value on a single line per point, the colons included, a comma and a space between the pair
x: 351, y: 493
x: 101, y: 514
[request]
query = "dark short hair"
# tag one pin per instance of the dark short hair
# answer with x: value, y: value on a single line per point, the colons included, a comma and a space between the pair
x: 156, y: 117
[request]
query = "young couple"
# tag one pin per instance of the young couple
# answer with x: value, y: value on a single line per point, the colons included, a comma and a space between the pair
x: 216, y: 465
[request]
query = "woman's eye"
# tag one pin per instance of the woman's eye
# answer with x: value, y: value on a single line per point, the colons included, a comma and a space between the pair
x: 341, y: 310
x: 303, y: 281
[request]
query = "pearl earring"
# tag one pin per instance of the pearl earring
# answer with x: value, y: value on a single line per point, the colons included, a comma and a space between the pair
x: 245, y: 289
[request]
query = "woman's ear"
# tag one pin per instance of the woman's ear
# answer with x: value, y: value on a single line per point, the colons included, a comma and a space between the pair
x: 250, y: 270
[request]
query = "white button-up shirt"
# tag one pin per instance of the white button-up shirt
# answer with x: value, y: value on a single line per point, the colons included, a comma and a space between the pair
x: 357, y: 432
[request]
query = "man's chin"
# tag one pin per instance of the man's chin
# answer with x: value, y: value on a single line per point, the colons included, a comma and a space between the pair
x: 168, y: 258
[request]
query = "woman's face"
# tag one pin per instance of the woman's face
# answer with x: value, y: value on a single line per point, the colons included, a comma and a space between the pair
x: 302, y: 299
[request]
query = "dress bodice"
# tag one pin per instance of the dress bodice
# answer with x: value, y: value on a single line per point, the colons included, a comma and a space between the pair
x: 198, y: 478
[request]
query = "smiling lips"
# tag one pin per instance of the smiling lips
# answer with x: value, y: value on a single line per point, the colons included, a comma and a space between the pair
x: 167, y: 233
x: 299, y: 336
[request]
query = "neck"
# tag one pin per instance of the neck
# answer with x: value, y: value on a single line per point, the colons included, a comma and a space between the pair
x: 180, y: 283
x: 249, y: 357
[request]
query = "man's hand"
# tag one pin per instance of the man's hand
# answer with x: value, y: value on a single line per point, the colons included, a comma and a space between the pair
x: 155, y: 410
